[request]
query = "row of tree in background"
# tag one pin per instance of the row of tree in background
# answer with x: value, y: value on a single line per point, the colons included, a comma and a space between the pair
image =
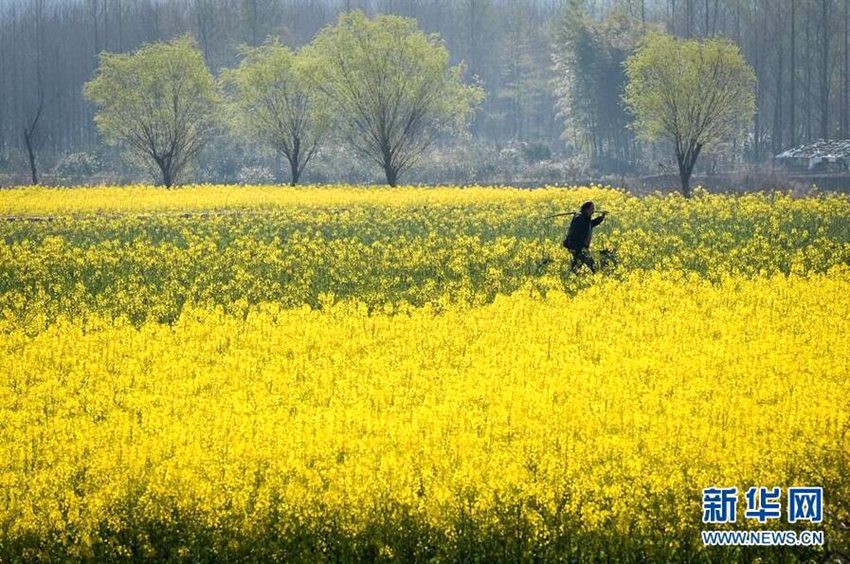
x: 552, y: 72
x: 387, y: 91
x: 799, y: 50
x: 384, y: 88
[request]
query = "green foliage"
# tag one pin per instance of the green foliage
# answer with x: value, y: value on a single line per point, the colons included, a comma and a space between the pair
x: 393, y: 85
x: 694, y: 94
x: 525, y: 84
x: 157, y: 104
x: 80, y: 165
x: 270, y: 98
x: 148, y: 266
x: 590, y: 79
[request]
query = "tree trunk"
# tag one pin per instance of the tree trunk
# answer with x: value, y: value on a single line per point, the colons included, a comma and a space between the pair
x: 808, y: 66
x: 824, y: 70
x: 673, y: 16
x: 294, y: 171
x: 167, y: 175
x: 31, y: 144
x: 845, y: 98
x: 685, y: 177
x: 756, y: 37
x: 390, y: 169
x: 777, y: 105
x: 793, y: 105
x: 392, y: 174
x: 28, y: 142
x: 295, y: 165
x: 687, y: 159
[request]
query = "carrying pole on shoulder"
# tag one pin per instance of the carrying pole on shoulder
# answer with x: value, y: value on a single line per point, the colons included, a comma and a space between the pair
x: 562, y: 214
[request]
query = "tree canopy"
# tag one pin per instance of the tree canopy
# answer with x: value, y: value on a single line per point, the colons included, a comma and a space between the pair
x: 695, y: 94
x: 272, y: 100
x: 589, y: 81
x: 157, y: 103
x: 393, y: 87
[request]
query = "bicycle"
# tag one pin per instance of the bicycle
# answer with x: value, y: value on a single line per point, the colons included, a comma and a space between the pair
x: 607, y: 261
x: 607, y: 257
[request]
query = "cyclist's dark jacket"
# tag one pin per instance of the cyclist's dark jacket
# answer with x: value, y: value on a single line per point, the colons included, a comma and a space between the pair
x: 581, y: 227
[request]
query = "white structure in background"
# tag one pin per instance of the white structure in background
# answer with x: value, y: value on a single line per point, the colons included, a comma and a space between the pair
x: 820, y: 156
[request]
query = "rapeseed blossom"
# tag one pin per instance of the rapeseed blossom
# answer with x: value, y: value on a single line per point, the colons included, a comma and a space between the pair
x: 350, y: 373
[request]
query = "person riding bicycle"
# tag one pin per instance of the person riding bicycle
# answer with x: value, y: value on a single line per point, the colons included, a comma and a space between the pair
x: 579, y: 234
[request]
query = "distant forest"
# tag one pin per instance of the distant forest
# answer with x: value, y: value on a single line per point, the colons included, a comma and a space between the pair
x: 552, y: 72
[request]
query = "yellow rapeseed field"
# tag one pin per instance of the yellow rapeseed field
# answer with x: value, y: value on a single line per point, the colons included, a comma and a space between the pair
x: 266, y: 373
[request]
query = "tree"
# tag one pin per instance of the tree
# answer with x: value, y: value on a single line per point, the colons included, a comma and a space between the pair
x: 523, y: 84
x: 30, y: 135
x: 393, y: 85
x: 35, y: 106
x: 157, y: 104
x: 825, y: 74
x: 590, y: 79
x: 695, y: 94
x: 272, y: 99
x: 798, y: 54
